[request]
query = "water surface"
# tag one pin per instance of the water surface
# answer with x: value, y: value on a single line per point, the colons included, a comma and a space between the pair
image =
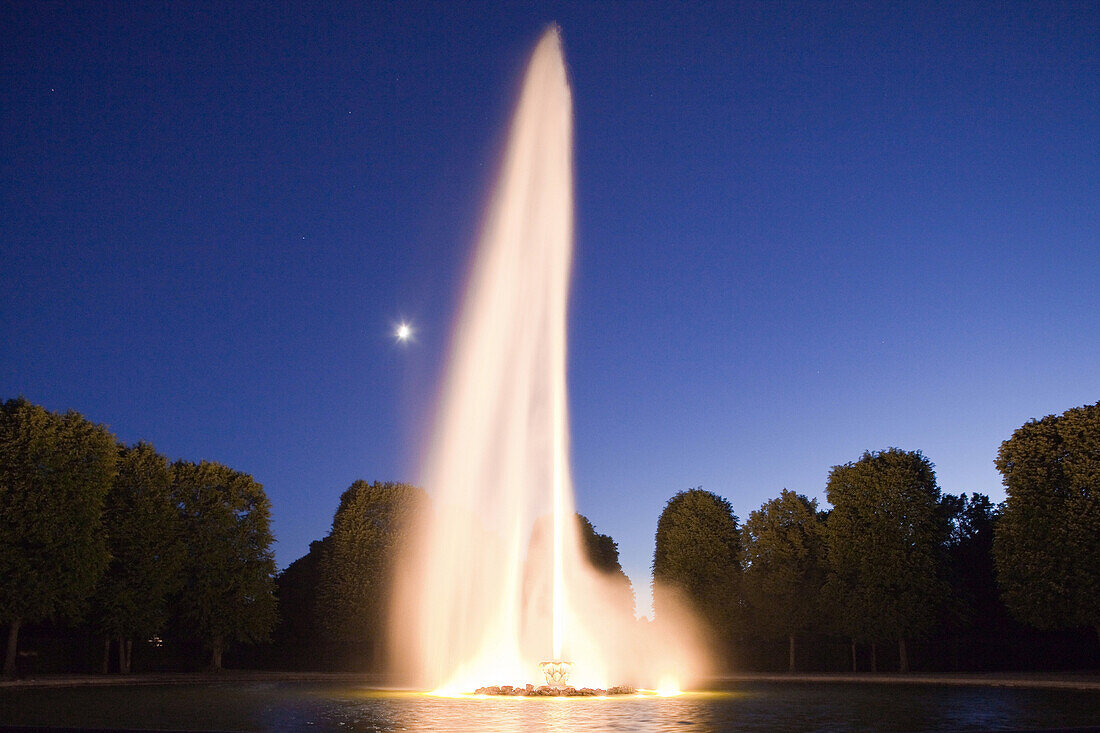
x: 753, y: 706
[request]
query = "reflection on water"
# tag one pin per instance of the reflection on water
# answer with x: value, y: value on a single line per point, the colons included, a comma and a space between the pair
x: 748, y: 707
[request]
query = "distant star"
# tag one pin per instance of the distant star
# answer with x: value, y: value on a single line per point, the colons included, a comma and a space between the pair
x: 404, y: 332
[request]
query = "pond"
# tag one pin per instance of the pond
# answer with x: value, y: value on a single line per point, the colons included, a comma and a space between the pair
x: 743, y: 706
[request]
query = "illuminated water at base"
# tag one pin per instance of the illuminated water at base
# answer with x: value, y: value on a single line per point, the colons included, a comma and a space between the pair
x: 743, y: 706
x: 499, y: 582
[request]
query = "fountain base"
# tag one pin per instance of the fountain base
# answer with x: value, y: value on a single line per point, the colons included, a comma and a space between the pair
x: 556, y: 673
x: 557, y: 685
x: 549, y: 691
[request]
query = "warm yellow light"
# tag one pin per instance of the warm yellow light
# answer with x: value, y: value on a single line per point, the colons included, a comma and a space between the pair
x: 668, y: 687
x: 578, y: 699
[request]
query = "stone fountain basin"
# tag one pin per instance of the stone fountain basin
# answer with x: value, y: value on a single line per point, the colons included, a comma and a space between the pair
x: 548, y: 691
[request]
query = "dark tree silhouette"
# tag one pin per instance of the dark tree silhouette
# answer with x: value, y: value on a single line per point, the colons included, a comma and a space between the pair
x: 698, y: 557
x: 356, y: 566
x: 55, y: 471
x: 785, y: 567
x: 228, y: 571
x: 299, y: 627
x: 884, y: 537
x: 1047, y: 539
x: 146, y: 547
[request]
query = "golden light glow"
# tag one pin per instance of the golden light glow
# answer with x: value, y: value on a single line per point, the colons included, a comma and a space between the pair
x: 451, y: 694
x: 668, y: 687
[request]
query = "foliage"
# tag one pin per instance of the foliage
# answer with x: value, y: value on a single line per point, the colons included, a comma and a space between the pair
x: 785, y: 564
x: 969, y: 520
x: 228, y: 571
x: 968, y: 560
x: 296, y: 589
x: 602, y: 551
x: 1047, y: 540
x: 55, y: 471
x: 146, y: 547
x: 883, y: 537
x: 698, y: 556
x: 356, y: 568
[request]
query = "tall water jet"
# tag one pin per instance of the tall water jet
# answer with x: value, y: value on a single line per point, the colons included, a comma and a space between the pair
x: 491, y: 591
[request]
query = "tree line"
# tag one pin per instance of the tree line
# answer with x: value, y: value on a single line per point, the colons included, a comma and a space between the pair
x: 101, y: 540
x: 896, y: 560
x: 335, y: 600
x: 117, y: 543
x: 126, y: 545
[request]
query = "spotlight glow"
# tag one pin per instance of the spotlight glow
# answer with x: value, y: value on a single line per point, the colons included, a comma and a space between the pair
x: 497, y: 577
x: 668, y: 687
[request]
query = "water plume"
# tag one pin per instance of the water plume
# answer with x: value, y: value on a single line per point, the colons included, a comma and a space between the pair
x: 486, y: 596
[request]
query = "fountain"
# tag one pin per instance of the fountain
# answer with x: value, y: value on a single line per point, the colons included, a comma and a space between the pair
x: 484, y: 597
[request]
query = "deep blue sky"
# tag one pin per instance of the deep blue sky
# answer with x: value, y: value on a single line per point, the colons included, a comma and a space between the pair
x: 804, y: 230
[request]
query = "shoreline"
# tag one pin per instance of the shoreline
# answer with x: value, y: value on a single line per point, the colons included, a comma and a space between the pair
x: 1048, y: 680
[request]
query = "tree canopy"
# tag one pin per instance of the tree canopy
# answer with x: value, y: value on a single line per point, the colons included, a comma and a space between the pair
x: 698, y: 556
x: 602, y: 551
x: 296, y: 589
x: 55, y: 471
x: 785, y: 566
x: 146, y: 547
x: 974, y: 600
x: 356, y: 566
x: 1047, y: 540
x: 884, y: 536
x: 229, y: 568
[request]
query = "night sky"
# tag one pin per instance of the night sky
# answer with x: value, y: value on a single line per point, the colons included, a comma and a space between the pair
x: 804, y: 230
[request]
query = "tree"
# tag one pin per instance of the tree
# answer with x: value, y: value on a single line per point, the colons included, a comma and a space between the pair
x: 968, y: 557
x: 698, y: 557
x: 785, y: 566
x: 228, y: 571
x: 1047, y: 541
x: 601, y: 551
x: 55, y: 471
x: 884, y: 536
x: 296, y: 590
x: 370, y: 525
x: 143, y: 535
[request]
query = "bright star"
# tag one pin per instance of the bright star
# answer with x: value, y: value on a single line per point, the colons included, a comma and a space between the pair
x: 403, y: 332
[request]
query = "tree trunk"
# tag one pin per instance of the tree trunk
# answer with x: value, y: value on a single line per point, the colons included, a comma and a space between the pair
x: 129, y: 655
x: 124, y: 647
x: 874, y: 657
x: 13, y: 642
x: 790, y: 653
x: 855, y: 667
x: 903, y: 656
x: 106, y: 666
x: 216, y: 654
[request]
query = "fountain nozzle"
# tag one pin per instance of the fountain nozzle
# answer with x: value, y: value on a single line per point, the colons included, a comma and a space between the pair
x: 556, y: 672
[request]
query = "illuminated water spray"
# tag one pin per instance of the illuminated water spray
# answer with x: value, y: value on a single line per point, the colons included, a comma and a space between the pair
x: 499, y: 582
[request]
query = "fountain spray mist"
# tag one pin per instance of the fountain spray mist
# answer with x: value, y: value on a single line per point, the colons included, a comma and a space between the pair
x: 488, y: 592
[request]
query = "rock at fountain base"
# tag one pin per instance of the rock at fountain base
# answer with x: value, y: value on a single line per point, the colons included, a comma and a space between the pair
x: 548, y: 691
